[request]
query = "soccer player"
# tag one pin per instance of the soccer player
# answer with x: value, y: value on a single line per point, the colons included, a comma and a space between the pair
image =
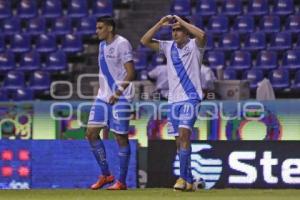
x: 111, y: 108
x: 184, y: 56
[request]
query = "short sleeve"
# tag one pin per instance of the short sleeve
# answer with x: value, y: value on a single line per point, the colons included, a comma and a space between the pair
x: 163, y: 46
x: 125, y: 49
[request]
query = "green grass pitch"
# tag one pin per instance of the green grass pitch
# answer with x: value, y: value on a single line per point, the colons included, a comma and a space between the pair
x: 153, y: 194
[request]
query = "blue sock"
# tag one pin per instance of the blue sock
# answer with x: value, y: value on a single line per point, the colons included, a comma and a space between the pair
x: 184, y: 157
x: 124, y: 155
x: 98, y: 150
x: 189, y: 177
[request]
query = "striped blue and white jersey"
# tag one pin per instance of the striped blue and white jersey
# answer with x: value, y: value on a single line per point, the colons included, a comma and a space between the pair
x: 112, y: 72
x: 183, y: 70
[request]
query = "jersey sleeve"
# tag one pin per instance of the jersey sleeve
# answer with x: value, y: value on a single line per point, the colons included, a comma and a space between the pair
x: 163, y: 46
x: 125, y: 49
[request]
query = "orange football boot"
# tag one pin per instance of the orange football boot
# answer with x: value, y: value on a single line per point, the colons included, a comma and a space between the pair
x: 118, y: 186
x: 103, y: 180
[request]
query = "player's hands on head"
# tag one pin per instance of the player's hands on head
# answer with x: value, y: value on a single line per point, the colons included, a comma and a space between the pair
x: 166, y: 20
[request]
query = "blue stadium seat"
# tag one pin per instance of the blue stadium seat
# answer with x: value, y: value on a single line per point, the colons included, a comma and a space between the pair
x: 30, y: 61
x: 102, y: 7
x: 257, y: 7
x: 27, y: 9
x: 240, y: 60
x: 140, y: 60
x: 270, y: 24
x: 36, y: 26
x: 216, y: 59
x: 77, y: 8
x: 209, y: 42
x: 281, y: 41
x: 7, y: 61
x: 39, y: 81
x: 11, y: 26
x: 72, y: 43
x: 51, y: 8
x: 244, y: 24
x: 229, y: 74
x: 20, y: 43
x: 2, y: 43
x: 291, y: 59
x: 56, y: 61
x: 230, y: 42
x: 23, y: 94
x: 232, y: 7
x: 61, y: 26
x: 266, y: 60
x: 14, y: 80
x: 280, y: 79
x: 158, y: 59
x: 164, y: 33
x: 206, y: 7
x: 3, y: 95
x: 293, y: 24
x: 256, y: 41
x: 297, y: 46
x: 46, y: 43
x: 254, y: 76
x: 296, y: 84
x: 181, y: 7
x: 197, y: 21
x: 86, y: 26
x: 218, y: 24
x: 5, y: 9
x: 283, y: 7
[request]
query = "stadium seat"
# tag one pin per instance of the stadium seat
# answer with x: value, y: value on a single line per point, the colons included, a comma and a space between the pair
x: 30, y: 61
x: 254, y: 76
x: 14, y: 80
x: 20, y: 43
x: 206, y: 7
x: 270, y: 24
x: 244, y: 24
x: 86, y: 26
x: 281, y: 41
x: 2, y: 43
x: 158, y: 59
x: 293, y: 24
x: 266, y: 60
x: 181, y: 7
x: 209, y: 42
x: 229, y: 42
x: 7, y: 61
x: 22, y: 94
x: 77, y: 8
x: 291, y: 59
x: 52, y: 8
x: 46, y: 43
x: 232, y: 7
x: 197, y: 21
x: 164, y: 33
x: 3, y: 95
x: 218, y: 24
x: 61, y: 26
x: 39, y: 81
x: 240, y: 60
x: 296, y: 84
x: 5, y: 9
x: 216, y: 59
x: 280, y: 79
x: 229, y: 74
x: 255, y: 41
x: 27, y: 9
x: 283, y: 7
x: 140, y: 60
x: 102, y: 8
x: 257, y: 7
x: 72, y: 43
x: 36, y: 26
x: 11, y: 26
x: 297, y: 45
x: 56, y: 61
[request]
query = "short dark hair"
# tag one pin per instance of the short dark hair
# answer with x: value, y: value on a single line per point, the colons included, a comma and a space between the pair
x: 184, y: 18
x: 108, y: 20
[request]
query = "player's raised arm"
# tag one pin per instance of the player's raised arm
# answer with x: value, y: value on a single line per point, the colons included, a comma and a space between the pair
x: 195, y: 31
x: 147, y: 39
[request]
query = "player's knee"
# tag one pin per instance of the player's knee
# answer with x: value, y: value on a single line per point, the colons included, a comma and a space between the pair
x: 122, y: 140
x: 92, y: 134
